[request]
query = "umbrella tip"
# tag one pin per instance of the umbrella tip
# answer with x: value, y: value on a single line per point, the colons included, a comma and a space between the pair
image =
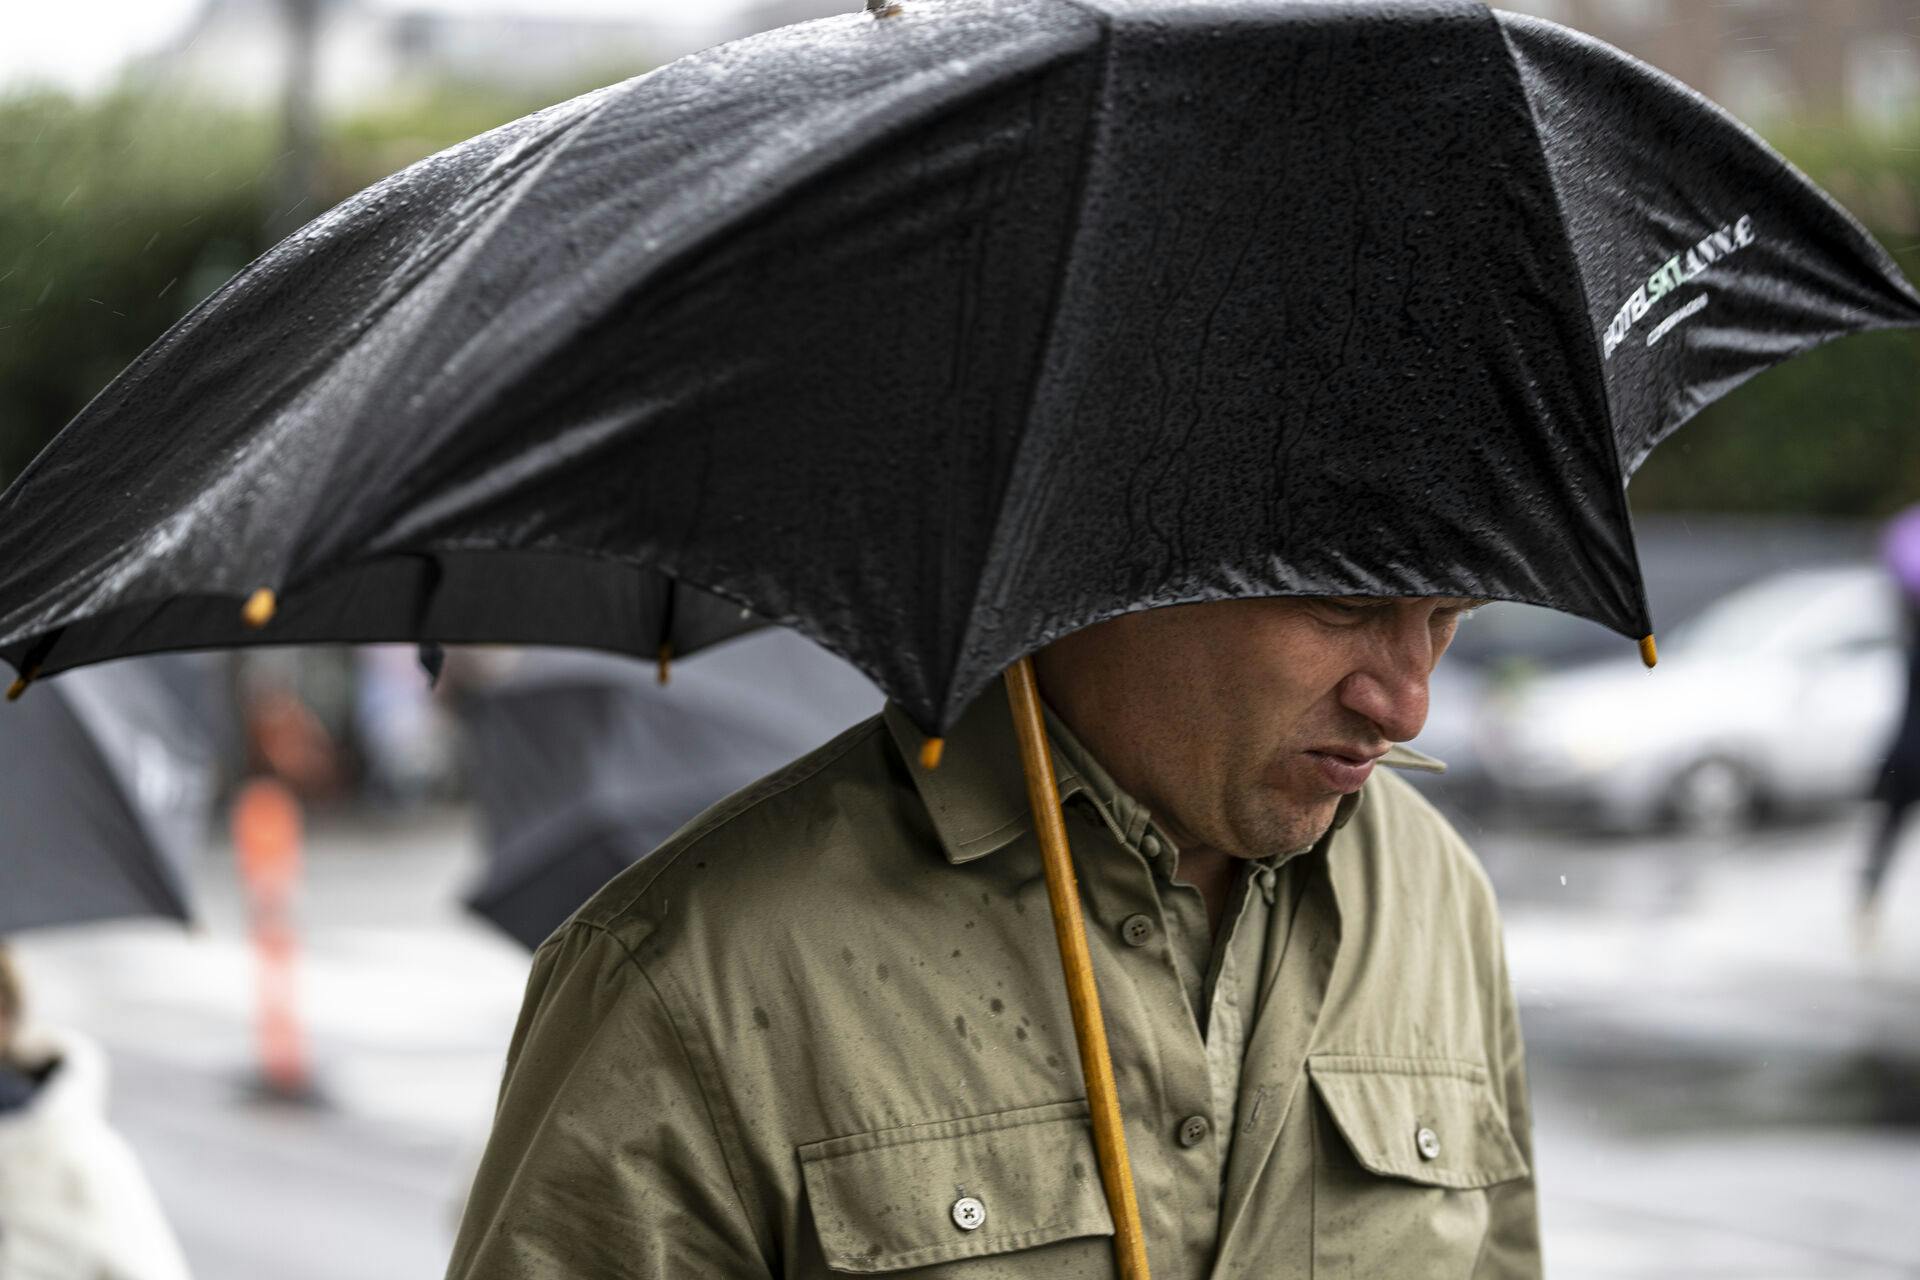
x: 666, y: 663
x: 27, y: 676
x: 930, y: 752
x: 259, y: 608
x: 1648, y: 653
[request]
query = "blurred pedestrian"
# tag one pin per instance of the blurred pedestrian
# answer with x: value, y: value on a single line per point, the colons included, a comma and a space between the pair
x: 405, y: 741
x: 73, y: 1202
x: 1897, y: 785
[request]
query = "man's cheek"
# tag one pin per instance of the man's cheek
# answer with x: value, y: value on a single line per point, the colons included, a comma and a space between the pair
x: 1296, y: 781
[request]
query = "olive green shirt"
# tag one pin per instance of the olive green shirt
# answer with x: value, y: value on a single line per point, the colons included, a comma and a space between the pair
x: 822, y: 1031
x: 1220, y: 970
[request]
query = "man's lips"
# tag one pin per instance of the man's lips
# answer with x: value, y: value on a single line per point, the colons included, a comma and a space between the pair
x: 1345, y: 769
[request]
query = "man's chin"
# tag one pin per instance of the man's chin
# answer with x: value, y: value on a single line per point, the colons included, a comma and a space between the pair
x: 1291, y: 827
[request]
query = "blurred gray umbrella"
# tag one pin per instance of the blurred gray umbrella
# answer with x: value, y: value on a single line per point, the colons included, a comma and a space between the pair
x: 582, y: 762
x: 105, y: 791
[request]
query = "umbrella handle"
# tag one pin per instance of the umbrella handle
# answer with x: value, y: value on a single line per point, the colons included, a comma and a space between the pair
x: 1089, y: 1030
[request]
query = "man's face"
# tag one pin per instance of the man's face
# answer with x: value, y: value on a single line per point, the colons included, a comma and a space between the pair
x: 1240, y: 724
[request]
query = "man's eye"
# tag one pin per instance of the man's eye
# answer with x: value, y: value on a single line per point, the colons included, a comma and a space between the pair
x: 1345, y: 611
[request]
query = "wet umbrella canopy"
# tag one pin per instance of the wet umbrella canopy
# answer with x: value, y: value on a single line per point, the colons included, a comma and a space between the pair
x: 106, y: 785
x: 581, y: 763
x: 941, y: 333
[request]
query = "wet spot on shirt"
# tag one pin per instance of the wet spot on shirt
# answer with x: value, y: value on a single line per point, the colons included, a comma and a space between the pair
x: 1019, y: 1033
x: 882, y: 972
x: 846, y: 953
x: 997, y: 1005
x: 760, y: 1018
x: 960, y: 1025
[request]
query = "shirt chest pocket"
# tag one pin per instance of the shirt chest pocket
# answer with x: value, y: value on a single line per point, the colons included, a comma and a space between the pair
x: 1015, y: 1193
x: 1405, y: 1153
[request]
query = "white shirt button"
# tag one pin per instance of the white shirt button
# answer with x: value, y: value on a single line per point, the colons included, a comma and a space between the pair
x: 968, y: 1213
x: 1429, y: 1143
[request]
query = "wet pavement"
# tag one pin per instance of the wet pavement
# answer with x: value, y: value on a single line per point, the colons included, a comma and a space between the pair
x: 1724, y: 1083
x: 1724, y: 1086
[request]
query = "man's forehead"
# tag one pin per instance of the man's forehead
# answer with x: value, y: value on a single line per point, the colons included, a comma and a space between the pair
x: 1461, y: 602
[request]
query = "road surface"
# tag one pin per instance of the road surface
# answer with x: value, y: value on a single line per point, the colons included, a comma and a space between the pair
x: 1723, y: 1087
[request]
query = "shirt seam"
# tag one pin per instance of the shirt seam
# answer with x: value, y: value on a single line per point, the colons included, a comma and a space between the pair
x: 1072, y: 1111
x: 763, y: 1235
x: 1364, y: 1062
x: 716, y: 821
x: 1045, y: 1233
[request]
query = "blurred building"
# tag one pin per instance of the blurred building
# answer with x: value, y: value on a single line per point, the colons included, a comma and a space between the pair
x: 1764, y: 60
x: 235, y: 51
x: 767, y: 14
x: 1768, y: 60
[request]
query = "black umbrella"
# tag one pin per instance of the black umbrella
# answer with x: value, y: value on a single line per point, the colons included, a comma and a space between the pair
x: 106, y: 791
x: 939, y: 332
x: 581, y: 763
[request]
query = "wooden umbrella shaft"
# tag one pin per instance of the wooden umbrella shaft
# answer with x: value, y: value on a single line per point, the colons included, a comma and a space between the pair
x: 1089, y: 1029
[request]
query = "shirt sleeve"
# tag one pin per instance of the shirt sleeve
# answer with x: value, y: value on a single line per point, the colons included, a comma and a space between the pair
x: 604, y: 1159
x: 1512, y: 1247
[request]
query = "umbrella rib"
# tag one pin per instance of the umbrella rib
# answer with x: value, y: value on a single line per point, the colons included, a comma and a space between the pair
x: 953, y: 702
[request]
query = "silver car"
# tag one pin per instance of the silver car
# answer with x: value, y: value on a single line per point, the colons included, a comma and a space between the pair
x: 1782, y: 695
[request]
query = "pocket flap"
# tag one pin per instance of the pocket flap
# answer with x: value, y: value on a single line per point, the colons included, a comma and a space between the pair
x: 1428, y: 1120
x: 885, y: 1200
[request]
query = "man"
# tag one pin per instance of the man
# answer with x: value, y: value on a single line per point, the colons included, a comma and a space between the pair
x: 823, y: 1030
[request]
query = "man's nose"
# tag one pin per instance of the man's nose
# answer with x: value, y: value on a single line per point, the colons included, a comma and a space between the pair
x: 1391, y: 690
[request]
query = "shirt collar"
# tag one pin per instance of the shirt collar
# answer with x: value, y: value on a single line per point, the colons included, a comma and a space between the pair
x: 1127, y: 816
x: 977, y: 798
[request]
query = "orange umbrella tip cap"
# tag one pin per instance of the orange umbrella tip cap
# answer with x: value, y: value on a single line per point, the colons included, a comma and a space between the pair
x: 930, y: 752
x: 666, y: 663
x: 26, y: 678
x: 1648, y: 654
x: 259, y: 608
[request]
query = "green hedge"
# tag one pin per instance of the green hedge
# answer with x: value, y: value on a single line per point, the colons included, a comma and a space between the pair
x: 1835, y: 432
x: 117, y: 215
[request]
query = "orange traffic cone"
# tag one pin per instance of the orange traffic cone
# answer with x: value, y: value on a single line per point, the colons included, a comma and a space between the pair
x: 266, y: 839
